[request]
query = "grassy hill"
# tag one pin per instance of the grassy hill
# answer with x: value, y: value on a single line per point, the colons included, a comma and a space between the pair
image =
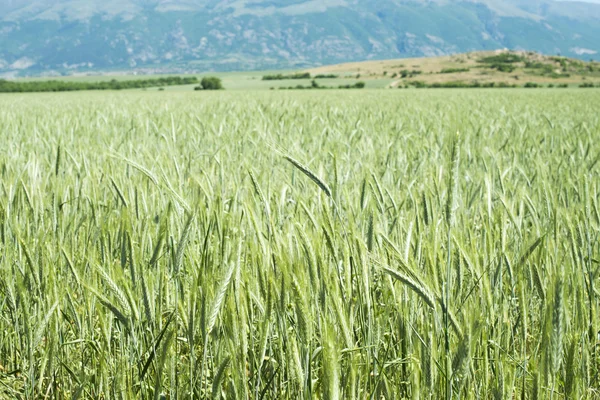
x: 509, y: 67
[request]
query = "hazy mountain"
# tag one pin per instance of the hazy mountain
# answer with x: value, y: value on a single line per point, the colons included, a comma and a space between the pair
x: 38, y: 36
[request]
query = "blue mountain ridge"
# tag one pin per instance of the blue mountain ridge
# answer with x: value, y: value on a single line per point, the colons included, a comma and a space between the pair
x: 58, y: 36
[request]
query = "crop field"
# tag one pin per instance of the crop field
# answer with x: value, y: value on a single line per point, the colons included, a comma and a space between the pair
x: 300, y: 245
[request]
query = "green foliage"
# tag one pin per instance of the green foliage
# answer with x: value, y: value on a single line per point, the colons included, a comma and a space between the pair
x: 489, y: 85
x: 460, y: 85
x: 508, y: 68
x: 467, y: 85
x: 536, y: 65
x: 555, y: 75
x: 505, y: 85
x: 503, y: 58
x: 211, y: 83
x: 418, y: 84
x: 504, y: 62
x: 545, y: 69
x: 66, y: 86
x: 305, y: 245
x: 326, y: 76
x: 405, y: 73
x: 357, y: 85
x: 315, y: 85
x: 532, y: 85
x: 454, y: 70
x: 280, y: 77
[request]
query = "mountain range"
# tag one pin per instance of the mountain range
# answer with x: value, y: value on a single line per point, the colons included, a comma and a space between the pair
x: 64, y: 36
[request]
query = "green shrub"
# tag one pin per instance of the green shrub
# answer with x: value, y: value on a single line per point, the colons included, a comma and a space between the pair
x: 211, y: 83
x: 504, y: 58
x: 534, y: 65
x: 454, y: 70
x: 508, y: 68
x: 418, y: 84
x: 554, y: 75
x: 357, y: 85
x: 409, y: 74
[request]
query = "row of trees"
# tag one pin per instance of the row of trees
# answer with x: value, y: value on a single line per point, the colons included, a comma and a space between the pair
x: 476, y: 85
x: 280, y: 77
x: 66, y: 86
x: 315, y: 85
x: 298, y: 75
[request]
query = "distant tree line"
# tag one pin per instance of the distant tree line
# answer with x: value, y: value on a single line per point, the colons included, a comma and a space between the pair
x: 67, y: 86
x: 459, y: 84
x: 477, y: 85
x: 280, y: 77
x: 357, y: 85
x: 298, y: 75
x: 454, y: 70
x: 326, y: 76
x: 315, y: 85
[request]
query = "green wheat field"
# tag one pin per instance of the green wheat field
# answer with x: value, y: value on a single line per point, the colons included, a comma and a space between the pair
x: 283, y: 245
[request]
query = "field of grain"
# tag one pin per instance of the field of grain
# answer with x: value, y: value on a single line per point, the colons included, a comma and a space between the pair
x: 316, y: 245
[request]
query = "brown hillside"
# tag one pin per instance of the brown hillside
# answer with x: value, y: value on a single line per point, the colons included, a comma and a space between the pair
x: 510, y: 67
